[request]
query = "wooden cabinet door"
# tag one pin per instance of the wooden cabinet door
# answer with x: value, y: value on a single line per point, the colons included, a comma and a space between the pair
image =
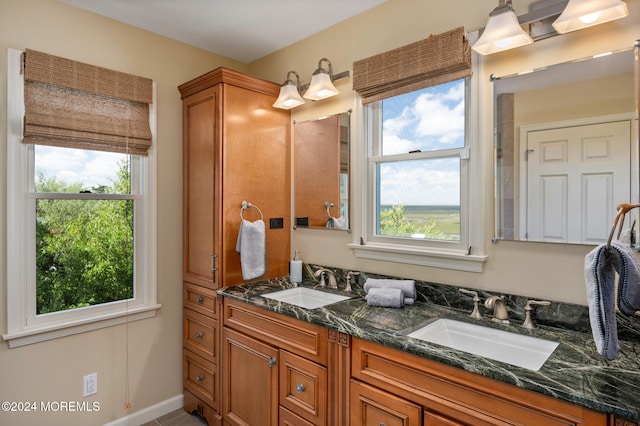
x: 373, y: 407
x: 250, y: 381
x: 200, y: 164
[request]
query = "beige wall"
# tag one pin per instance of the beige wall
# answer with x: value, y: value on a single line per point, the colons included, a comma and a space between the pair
x: 531, y: 269
x: 53, y: 370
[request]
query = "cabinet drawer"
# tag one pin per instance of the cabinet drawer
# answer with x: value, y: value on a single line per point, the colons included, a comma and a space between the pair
x: 454, y: 394
x: 373, y: 407
x: 287, y: 418
x: 295, y: 336
x: 303, y: 388
x: 200, y: 377
x: 200, y: 335
x: 201, y: 300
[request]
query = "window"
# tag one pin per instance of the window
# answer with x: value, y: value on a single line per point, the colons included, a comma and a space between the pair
x: 418, y: 143
x: 81, y: 233
x: 416, y: 165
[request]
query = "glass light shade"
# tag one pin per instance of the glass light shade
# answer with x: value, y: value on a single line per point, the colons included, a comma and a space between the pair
x: 321, y: 86
x: 289, y: 97
x: 586, y: 13
x: 503, y: 32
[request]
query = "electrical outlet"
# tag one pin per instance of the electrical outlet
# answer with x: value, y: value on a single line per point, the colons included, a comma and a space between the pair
x: 90, y: 384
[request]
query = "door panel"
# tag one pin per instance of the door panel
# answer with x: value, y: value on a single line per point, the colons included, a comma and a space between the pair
x: 576, y: 176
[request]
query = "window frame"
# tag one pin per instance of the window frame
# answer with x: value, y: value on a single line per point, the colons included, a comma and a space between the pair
x: 23, y: 325
x: 469, y: 254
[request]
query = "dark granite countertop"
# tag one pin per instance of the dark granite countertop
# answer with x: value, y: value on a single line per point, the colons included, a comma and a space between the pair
x: 575, y: 372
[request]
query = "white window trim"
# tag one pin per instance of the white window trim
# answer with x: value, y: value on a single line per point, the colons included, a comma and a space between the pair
x: 471, y: 260
x: 21, y: 331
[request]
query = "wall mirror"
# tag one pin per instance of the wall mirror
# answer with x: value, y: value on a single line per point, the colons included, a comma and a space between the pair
x: 566, y: 149
x: 321, y: 172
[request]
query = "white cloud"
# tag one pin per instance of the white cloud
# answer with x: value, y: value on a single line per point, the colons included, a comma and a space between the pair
x: 435, y: 120
x: 91, y: 168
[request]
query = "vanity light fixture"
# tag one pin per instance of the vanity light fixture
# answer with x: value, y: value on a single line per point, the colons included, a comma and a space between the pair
x: 503, y: 31
x: 321, y: 86
x: 581, y: 14
x: 289, y: 93
x: 545, y: 18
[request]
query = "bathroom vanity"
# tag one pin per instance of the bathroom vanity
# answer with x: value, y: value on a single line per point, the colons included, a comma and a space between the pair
x: 360, y: 360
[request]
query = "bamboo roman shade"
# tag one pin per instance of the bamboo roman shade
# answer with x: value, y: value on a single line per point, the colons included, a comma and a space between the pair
x: 75, y: 105
x: 436, y: 60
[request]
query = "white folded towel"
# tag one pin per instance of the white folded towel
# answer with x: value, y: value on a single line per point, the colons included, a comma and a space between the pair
x: 386, y: 297
x: 408, y: 287
x: 252, y: 248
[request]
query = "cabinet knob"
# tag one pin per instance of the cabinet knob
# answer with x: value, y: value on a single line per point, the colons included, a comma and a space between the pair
x: 199, y: 300
x: 199, y: 335
x: 272, y: 362
x: 199, y: 378
x: 300, y: 388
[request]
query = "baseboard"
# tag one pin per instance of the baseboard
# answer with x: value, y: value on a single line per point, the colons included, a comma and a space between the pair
x: 147, y: 414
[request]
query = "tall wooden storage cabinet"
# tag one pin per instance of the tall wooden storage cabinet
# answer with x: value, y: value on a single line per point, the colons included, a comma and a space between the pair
x: 236, y: 147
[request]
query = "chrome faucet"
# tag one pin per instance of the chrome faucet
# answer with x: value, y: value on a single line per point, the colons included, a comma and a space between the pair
x: 332, y: 278
x: 475, y: 314
x: 528, y: 320
x: 500, y: 313
x: 350, y: 274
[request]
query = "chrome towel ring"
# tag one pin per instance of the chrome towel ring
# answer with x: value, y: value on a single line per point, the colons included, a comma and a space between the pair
x: 246, y: 205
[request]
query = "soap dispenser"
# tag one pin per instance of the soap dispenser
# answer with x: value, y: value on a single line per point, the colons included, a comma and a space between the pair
x: 295, y: 269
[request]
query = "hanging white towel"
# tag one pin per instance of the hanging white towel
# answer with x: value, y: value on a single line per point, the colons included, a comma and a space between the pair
x: 337, y: 222
x: 252, y: 248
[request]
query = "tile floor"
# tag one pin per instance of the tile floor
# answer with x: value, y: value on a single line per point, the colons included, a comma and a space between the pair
x: 177, y: 418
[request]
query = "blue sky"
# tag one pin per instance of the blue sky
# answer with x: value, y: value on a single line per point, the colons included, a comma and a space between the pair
x: 428, y: 120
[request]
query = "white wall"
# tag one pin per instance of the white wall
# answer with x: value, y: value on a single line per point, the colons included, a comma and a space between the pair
x: 52, y: 371
x: 533, y: 269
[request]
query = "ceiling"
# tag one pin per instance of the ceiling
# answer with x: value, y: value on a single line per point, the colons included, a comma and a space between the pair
x: 244, y: 30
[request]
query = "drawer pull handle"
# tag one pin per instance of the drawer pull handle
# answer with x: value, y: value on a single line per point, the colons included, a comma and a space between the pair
x: 199, y: 300
x: 213, y: 265
x: 272, y: 362
x: 199, y: 335
x: 199, y: 378
x: 300, y: 388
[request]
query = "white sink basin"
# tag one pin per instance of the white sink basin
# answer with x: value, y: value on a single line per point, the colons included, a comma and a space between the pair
x: 515, y: 349
x: 305, y: 297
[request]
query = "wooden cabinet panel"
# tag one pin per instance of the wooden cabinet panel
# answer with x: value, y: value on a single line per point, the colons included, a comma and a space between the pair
x: 456, y: 394
x: 303, y: 388
x: 256, y: 153
x: 250, y: 381
x: 200, y: 377
x: 287, y: 418
x: 298, y: 337
x: 199, y: 170
x: 200, y: 335
x: 373, y: 407
x: 201, y: 300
